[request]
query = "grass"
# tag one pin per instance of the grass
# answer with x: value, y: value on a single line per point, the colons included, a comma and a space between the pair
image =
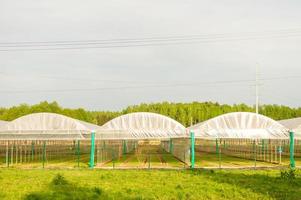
x: 36, y: 184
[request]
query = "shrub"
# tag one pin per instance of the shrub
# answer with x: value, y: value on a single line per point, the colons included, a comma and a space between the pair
x: 59, y: 180
x: 288, y: 175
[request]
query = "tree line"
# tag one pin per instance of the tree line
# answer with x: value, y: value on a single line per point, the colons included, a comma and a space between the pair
x: 185, y: 113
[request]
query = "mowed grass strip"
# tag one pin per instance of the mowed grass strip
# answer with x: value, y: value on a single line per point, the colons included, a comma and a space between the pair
x: 147, y: 184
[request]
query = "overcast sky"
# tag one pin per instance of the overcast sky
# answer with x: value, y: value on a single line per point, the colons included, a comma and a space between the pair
x: 117, y: 77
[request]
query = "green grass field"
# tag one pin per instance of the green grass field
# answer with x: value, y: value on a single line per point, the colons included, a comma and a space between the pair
x: 41, y: 184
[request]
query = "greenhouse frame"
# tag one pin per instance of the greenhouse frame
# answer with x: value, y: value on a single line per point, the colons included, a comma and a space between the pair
x: 149, y: 140
x: 45, y: 138
x: 251, y: 138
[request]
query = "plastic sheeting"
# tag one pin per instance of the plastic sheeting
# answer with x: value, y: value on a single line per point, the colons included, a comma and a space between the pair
x: 242, y: 125
x: 2, y: 123
x: 141, y: 125
x: 46, y: 126
x: 294, y: 125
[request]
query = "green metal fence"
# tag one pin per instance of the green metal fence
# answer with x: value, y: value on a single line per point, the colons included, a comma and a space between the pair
x: 167, y: 153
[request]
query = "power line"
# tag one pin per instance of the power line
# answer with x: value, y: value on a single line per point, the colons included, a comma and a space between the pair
x: 125, y: 87
x: 194, y: 84
x: 121, y: 43
x: 143, y: 40
x: 280, y: 31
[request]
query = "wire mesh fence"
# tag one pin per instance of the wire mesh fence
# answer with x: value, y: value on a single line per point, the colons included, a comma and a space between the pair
x: 41, y: 153
x: 139, y: 154
x: 243, y: 153
x: 165, y: 153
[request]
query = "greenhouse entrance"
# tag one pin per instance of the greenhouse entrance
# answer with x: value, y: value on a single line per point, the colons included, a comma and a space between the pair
x: 143, y: 154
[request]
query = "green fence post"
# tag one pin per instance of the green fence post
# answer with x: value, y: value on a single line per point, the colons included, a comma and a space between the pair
x: 78, y: 152
x: 92, y: 152
x: 113, y: 158
x: 254, y: 153
x: 44, y: 153
x: 170, y: 146
x: 7, y: 155
x: 124, y: 149
x: 292, y: 159
x: 192, y: 160
x: 149, y: 161
x: 12, y: 154
x: 262, y: 150
x: 216, y: 147
x: 184, y: 163
x: 32, y: 150
x: 219, y: 153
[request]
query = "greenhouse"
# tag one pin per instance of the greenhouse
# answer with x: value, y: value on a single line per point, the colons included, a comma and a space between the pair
x: 294, y: 125
x: 45, y: 138
x: 241, y: 139
x: 149, y: 140
x: 142, y: 140
x: 2, y: 123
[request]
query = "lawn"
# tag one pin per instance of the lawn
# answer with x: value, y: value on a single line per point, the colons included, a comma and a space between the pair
x: 146, y: 184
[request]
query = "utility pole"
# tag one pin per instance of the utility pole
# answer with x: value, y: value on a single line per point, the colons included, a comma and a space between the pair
x: 257, y: 88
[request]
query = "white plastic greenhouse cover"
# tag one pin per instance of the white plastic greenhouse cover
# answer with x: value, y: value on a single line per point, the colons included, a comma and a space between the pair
x: 242, y: 125
x: 141, y: 125
x: 2, y: 123
x: 294, y: 125
x: 39, y: 126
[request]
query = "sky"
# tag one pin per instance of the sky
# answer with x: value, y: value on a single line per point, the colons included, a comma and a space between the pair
x: 214, y: 69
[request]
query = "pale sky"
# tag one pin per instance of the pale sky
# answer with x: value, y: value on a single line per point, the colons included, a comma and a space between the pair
x: 117, y: 77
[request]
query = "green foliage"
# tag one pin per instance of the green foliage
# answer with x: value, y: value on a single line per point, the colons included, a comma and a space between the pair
x: 288, y: 175
x: 61, y: 189
x: 59, y: 180
x: 148, y: 184
x: 185, y: 113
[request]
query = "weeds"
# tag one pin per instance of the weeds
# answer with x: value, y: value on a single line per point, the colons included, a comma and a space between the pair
x: 59, y: 180
x: 61, y: 189
x: 288, y: 175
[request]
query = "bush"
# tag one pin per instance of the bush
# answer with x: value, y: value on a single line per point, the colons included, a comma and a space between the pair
x: 59, y: 180
x: 288, y: 175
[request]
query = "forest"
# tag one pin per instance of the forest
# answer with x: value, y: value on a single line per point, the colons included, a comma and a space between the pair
x: 185, y: 113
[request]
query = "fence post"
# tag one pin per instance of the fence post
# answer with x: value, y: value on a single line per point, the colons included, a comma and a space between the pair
x: 192, y: 160
x: 32, y: 150
x: 170, y: 146
x: 124, y: 149
x: 7, y: 155
x: 262, y: 150
x: 217, y: 149
x: 44, y: 153
x: 219, y: 153
x: 92, y: 152
x: 78, y: 152
x: 184, y: 163
x: 292, y: 159
x: 149, y: 160
x: 254, y: 153
x: 113, y: 158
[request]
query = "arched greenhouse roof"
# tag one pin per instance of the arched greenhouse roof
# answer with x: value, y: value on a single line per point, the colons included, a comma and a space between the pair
x: 46, y: 126
x: 240, y: 125
x: 293, y: 124
x: 141, y: 125
x: 2, y: 123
